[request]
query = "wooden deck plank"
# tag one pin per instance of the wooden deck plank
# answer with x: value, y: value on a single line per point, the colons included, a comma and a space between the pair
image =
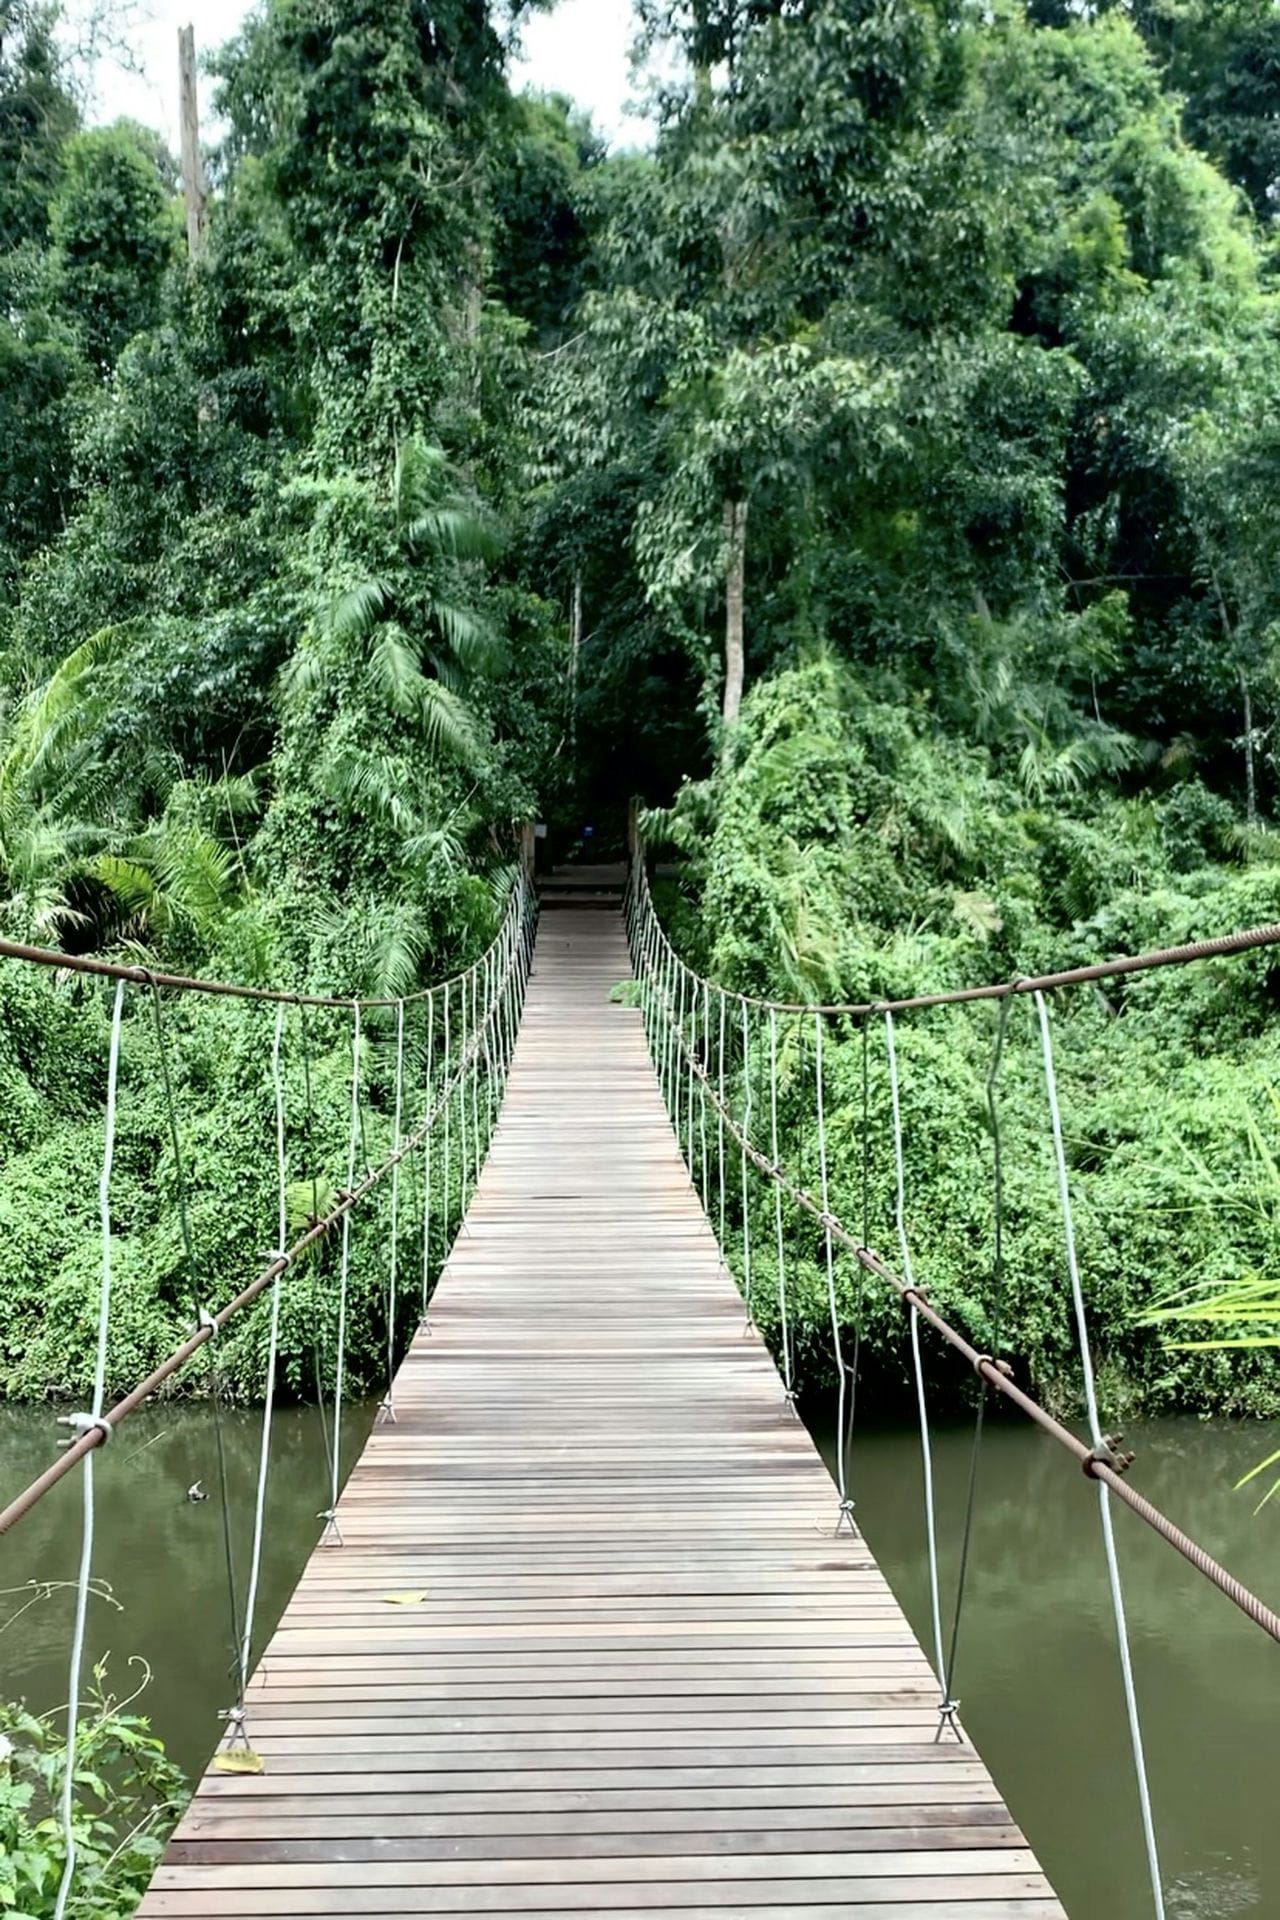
x: 637, y: 1673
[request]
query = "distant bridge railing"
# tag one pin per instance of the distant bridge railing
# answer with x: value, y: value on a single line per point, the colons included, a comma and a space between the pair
x: 461, y: 1034
x: 708, y: 1042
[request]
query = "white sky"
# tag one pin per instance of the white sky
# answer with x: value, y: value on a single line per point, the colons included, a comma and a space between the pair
x: 580, y: 49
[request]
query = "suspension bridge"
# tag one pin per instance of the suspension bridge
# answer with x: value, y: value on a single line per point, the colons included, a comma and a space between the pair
x: 589, y: 1629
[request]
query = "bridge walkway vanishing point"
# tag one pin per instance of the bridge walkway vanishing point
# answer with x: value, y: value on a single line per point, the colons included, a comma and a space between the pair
x: 591, y: 1645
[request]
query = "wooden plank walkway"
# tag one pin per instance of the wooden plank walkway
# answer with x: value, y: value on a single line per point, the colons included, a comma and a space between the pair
x: 642, y: 1675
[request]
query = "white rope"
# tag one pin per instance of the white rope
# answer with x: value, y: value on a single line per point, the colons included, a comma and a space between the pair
x: 784, y: 1319
x: 448, y: 1128
x: 393, y: 1265
x: 462, y: 1099
x: 83, y: 1423
x: 746, y: 1195
x: 1104, y: 1492
x: 478, y: 1030
x: 426, y: 1162
x: 702, y: 1093
x: 926, y: 1443
x: 331, y: 1517
x: 720, y: 1111
x: 273, y: 1344
x: 846, y: 1504
x: 684, y: 1082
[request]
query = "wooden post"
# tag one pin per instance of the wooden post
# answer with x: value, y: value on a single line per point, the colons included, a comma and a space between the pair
x: 192, y: 171
x: 528, y: 850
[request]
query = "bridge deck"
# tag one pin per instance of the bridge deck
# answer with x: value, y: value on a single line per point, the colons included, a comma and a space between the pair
x: 638, y: 1675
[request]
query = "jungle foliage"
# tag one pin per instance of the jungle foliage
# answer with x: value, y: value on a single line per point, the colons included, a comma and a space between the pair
x: 876, y: 474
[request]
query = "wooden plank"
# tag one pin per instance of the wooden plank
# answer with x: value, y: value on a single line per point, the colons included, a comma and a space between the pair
x: 638, y: 1673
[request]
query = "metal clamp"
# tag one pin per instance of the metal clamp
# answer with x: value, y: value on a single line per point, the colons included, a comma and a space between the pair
x: 83, y: 1423
x: 1108, y: 1453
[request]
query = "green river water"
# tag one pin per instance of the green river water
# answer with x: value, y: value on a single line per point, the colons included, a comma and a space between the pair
x: 1037, y: 1676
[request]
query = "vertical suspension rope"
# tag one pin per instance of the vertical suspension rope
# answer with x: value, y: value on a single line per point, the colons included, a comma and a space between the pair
x: 477, y: 1045
x: 691, y: 1080
x: 388, y: 1408
x: 997, y: 1326
x: 207, y: 1320
x: 746, y: 1192
x: 667, y: 1029
x: 447, y: 1191
x: 463, y: 1134
x: 79, y: 1424
x: 333, y: 1531
x: 683, y: 1072
x: 783, y: 1317
x: 304, y: 1035
x: 1103, y: 1452
x: 237, y: 1722
x: 702, y: 1096
x: 947, y: 1706
x: 426, y: 1162
x: 720, y: 1109
x: 819, y: 1077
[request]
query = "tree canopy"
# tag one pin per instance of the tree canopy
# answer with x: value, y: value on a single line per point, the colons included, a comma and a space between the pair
x: 875, y: 472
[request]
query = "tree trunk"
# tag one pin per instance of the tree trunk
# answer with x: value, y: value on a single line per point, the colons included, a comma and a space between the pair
x: 735, y: 539
x: 1250, y: 768
x: 193, y: 186
x: 575, y: 648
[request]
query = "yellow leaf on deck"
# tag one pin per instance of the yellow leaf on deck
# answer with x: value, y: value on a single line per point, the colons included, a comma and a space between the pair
x: 239, y: 1762
x: 404, y: 1599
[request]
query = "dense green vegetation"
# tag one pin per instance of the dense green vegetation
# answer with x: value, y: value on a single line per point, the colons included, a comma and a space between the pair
x: 129, y: 1794
x: 877, y: 475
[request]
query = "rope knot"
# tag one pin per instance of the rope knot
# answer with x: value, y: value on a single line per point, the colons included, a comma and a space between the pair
x: 948, y: 1710
x: 982, y: 1360
x: 83, y: 1423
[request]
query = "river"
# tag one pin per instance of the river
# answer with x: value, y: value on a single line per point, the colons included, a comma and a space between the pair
x: 1037, y: 1675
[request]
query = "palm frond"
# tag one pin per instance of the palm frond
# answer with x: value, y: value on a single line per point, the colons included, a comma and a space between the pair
x: 454, y: 532
x: 474, y: 644
x: 396, y: 673
x: 449, y: 723
x: 354, y: 614
x: 371, y: 783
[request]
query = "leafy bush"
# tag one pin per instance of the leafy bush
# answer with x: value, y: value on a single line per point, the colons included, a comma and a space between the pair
x: 847, y: 851
x: 128, y: 1796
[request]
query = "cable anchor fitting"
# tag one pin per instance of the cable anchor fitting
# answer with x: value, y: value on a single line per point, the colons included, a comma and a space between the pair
x: 846, y: 1517
x: 982, y: 1360
x: 235, y: 1719
x: 83, y: 1423
x: 948, y: 1712
x: 1108, y: 1453
x: 332, y: 1535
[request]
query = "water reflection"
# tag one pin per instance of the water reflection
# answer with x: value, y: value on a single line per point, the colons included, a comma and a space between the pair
x: 1037, y: 1675
x: 1038, y: 1672
x: 161, y: 1554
